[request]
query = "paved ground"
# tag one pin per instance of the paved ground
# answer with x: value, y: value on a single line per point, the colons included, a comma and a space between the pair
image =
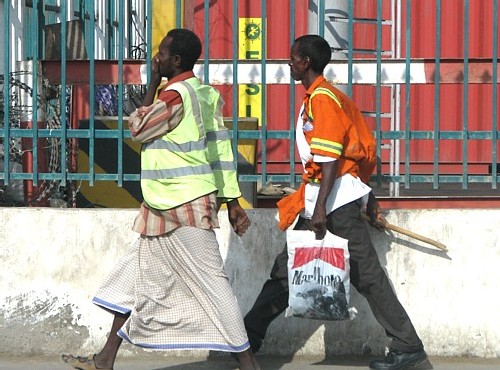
x: 267, y: 363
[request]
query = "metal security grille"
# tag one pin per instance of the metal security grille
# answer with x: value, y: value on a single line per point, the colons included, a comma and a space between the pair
x: 72, y: 71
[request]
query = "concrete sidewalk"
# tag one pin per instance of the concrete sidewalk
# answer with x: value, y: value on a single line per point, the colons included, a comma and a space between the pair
x: 266, y: 362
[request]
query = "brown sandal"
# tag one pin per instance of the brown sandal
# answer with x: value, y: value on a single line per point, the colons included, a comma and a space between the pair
x: 82, y: 363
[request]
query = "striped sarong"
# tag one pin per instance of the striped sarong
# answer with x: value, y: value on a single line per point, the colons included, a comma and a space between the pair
x: 177, y: 293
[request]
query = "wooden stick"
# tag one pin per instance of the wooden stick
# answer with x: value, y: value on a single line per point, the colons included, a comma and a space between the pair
x: 409, y: 233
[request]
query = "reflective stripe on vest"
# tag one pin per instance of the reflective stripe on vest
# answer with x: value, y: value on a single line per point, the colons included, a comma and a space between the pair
x: 190, y: 146
x: 176, y: 172
x: 175, y: 167
x: 180, y: 148
x: 219, y: 142
x: 322, y: 144
x: 322, y: 90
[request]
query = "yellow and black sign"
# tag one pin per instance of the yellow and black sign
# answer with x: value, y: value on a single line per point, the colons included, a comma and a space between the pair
x: 249, y: 102
x: 108, y: 194
x: 250, y: 48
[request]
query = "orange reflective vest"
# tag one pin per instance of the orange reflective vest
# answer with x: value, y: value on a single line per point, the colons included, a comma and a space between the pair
x: 353, y: 147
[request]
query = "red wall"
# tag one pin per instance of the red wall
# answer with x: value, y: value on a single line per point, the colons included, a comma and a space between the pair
x: 423, y: 31
x: 451, y: 106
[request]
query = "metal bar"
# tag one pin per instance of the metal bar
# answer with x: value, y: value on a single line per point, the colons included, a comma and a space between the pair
x: 129, y: 28
x: 321, y: 18
x: 292, y: 100
x: 378, y: 91
x: 51, y: 8
x: 350, y: 56
x: 6, y: 95
x: 443, y: 179
x: 465, y: 100
x: 112, y: 30
x: 437, y: 95
x: 178, y: 13
x: 78, y: 176
x: 234, y: 142
x: 407, y: 94
x: 114, y: 134
x: 27, y: 46
x: 149, y: 36
x: 34, y: 80
x: 206, y: 59
x: 253, y: 134
x: 136, y: 177
x: 494, y: 97
x: 121, y: 47
x: 341, y: 19
x: 63, y: 162
x: 397, y: 99
x: 441, y: 135
x: 393, y: 187
x: 92, y: 95
x: 264, y: 95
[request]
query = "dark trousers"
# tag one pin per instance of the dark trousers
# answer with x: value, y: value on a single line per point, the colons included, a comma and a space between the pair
x: 367, y: 276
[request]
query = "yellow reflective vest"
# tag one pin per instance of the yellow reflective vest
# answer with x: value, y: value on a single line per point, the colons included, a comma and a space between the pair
x: 193, y: 159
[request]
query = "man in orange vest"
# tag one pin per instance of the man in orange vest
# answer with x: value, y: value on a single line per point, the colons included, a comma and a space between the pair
x: 337, y: 167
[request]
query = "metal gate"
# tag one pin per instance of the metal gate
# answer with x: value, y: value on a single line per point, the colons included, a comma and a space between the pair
x: 427, y: 87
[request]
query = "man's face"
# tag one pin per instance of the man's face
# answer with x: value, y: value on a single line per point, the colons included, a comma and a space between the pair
x: 165, y: 60
x: 297, y: 64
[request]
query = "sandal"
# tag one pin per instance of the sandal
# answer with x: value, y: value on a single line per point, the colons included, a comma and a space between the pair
x: 82, y: 363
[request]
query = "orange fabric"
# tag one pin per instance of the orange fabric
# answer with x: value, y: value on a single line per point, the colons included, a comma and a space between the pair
x: 343, y: 125
x: 290, y: 206
x: 363, y: 147
x: 330, y: 125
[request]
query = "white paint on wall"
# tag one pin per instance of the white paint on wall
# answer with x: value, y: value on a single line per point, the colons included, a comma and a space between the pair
x: 53, y: 260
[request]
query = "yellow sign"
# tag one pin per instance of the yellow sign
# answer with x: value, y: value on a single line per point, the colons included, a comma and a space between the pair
x: 249, y: 98
x: 250, y: 47
x: 163, y: 21
x: 250, y: 36
x: 249, y: 95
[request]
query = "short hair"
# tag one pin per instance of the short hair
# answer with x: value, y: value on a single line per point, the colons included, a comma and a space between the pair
x: 186, y: 44
x: 316, y: 48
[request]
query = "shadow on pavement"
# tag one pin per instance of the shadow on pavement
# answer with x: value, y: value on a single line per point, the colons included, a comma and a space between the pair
x: 201, y: 365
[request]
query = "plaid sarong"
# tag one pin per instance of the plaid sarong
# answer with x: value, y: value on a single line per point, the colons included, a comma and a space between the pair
x: 177, y: 293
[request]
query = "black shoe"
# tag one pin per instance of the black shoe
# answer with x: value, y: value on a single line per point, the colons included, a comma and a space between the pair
x: 396, y: 360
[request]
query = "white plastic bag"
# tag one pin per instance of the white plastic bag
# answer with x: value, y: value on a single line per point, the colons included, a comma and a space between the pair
x: 318, y: 276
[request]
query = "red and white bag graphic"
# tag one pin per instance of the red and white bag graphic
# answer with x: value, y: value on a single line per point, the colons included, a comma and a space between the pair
x: 318, y: 276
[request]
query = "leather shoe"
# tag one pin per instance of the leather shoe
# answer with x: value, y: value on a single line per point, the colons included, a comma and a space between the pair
x: 397, y: 360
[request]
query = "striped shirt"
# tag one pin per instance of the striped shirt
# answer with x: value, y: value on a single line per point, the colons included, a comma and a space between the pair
x: 200, y: 213
x: 146, y: 124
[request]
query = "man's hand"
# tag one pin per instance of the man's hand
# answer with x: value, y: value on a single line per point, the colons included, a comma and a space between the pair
x: 155, y: 70
x: 154, y: 82
x: 318, y: 219
x: 237, y: 217
x: 318, y: 222
x: 374, y: 212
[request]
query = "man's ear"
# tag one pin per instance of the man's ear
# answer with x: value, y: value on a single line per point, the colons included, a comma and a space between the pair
x: 176, y: 60
x: 307, y: 62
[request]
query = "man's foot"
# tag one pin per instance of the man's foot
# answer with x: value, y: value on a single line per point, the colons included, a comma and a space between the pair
x: 397, y: 360
x: 82, y: 363
x: 246, y: 360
